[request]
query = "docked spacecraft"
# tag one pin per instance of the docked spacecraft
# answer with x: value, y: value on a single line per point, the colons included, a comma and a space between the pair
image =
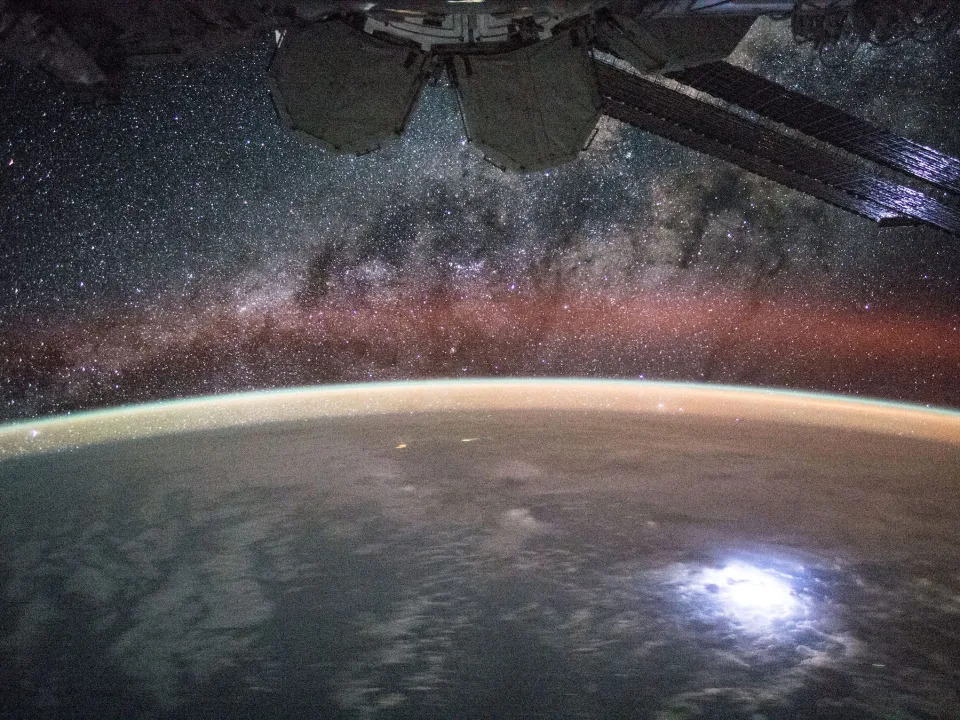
x: 532, y: 78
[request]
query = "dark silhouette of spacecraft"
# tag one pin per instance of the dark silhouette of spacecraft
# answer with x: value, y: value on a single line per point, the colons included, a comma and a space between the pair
x: 532, y: 79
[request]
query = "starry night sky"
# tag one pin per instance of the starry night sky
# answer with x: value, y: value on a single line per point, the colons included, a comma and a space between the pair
x: 182, y: 242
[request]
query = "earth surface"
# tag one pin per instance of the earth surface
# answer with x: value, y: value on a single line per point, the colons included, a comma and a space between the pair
x: 480, y: 550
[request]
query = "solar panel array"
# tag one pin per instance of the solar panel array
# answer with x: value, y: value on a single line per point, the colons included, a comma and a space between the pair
x: 764, y: 150
x: 824, y: 122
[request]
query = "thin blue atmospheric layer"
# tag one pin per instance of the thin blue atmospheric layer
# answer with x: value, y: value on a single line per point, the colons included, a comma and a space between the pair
x: 202, y: 400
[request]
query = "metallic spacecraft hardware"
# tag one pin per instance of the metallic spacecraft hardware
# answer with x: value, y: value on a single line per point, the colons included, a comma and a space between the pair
x: 348, y: 91
x: 532, y: 80
x: 32, y: 40
x: 666, y: 44
x: 532, y: 108
x: 767, y: 151
x: 823, y: 122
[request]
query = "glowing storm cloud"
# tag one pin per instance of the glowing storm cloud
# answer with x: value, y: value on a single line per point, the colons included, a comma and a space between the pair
x: 753, y: 596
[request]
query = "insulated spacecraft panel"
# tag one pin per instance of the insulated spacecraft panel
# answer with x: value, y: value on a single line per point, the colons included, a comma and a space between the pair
x: 532, y: 108
x: 343, y: 88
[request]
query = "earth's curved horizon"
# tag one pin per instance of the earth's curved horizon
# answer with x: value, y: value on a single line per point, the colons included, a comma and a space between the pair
x: 516, y: 549
x: 111, y: 424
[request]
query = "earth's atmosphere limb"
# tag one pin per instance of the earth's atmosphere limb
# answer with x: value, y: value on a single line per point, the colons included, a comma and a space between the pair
x: 660, y: 398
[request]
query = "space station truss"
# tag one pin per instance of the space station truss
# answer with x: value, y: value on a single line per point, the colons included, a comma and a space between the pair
x: 343, y: 88
x: 531, y: 108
